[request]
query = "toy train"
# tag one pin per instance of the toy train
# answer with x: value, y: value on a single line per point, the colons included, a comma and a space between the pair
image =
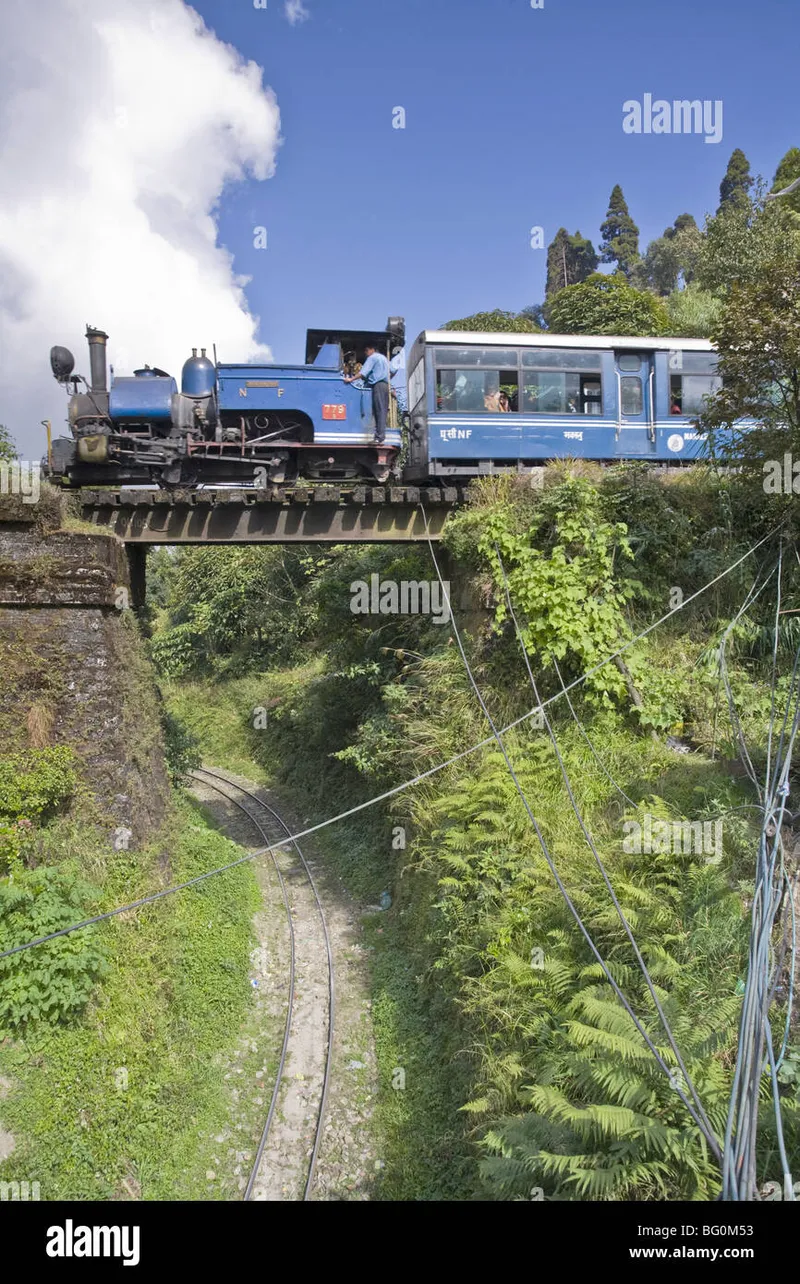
x: 476, y: 404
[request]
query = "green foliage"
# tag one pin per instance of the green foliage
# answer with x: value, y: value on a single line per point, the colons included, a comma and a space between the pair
x: 496, y: 322
x: 672, y: 258
x: 36, y: 783
x: 785, y: 175
x: 178, y: 651
x: 693, y: 312
x: 228, y: 609
x: 734, y: 190
x: 561, y: 575
x: 539, y: 1065
x: 758, y: 337
x: 181, y: 747
x: 570, y: 259
x: 606, y: 305
x: 53, y: 981
x: 620, y: 238
x: 594, y: 1117
x: 8, y: 451
x: 34, y: 786
x: 125, y: 1099
x: 742, y: 240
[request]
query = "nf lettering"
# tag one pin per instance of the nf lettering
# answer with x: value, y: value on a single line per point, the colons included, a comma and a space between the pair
x: 410, y: 597
x: 678, y: 117
x: 94, y: 1241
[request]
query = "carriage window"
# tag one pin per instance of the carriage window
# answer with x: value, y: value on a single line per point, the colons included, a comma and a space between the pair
x: 629, y: 361
x: 687, y: 393
x: 631, y: 396
x: 556, y: 393
x: 692, y: 363
x: 561, y: 359
x: 477, y: 391
x: 592, y: 396
x: 551, y: 392
x: 499, y: 358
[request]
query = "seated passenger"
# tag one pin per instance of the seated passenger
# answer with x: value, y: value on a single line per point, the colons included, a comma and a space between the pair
x: 675, y: 408
x: 491, y: 394
x: 504, y: 405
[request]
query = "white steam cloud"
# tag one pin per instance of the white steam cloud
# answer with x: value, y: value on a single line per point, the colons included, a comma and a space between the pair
x: 296, y: 11
x: 120, y: 126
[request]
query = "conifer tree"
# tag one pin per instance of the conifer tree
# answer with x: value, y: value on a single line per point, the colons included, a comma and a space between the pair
x: 570, y: 260
x: 620, y: 243
x: 735, y: 186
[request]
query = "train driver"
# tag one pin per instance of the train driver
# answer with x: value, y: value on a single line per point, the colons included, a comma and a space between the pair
x: 375, y: 375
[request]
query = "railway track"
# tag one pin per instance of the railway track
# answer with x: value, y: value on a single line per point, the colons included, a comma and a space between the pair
x: 308, y: 1060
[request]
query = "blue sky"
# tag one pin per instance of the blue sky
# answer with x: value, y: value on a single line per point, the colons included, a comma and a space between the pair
x: 513, y: 120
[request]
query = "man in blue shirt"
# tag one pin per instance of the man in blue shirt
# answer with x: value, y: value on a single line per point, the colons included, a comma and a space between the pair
x: 397, y: 369
x: 375, y: 375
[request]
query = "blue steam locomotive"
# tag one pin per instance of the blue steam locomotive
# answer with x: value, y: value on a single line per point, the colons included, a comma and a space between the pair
x: 476, y: 404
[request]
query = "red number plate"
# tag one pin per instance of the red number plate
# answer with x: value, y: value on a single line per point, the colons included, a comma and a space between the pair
x: 334, y: 412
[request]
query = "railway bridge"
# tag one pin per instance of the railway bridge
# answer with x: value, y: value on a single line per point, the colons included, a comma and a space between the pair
x: 266, y: 515
x: 272, y: 515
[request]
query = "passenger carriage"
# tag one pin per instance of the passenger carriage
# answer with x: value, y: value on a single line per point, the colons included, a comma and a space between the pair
x: 485, y: 403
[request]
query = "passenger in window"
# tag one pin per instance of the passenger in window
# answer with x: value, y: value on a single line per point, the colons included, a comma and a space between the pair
x: 675, y: 408
x: 572, y: 408
x: 504, y: 405
x: 491, y: 394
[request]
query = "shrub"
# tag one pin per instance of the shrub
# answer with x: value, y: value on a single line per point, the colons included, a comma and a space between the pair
x: 52, y: 981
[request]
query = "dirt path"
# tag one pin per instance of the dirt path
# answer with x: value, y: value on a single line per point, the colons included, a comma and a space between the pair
x: 347, y: 1166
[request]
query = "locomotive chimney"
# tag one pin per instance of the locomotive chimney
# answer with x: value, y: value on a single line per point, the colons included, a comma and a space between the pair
x: 97, y: 358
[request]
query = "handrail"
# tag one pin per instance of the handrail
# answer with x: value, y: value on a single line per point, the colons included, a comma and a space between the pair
x: 619, y: 402
x: 652, y: 404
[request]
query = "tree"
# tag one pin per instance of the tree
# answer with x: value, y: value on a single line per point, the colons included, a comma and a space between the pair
x: 735, y: 186
x: 786, y: 173
x: 607, y: 305
x: 693, y: 313
x: 671, y: 259
x: 758, y: 339
x: 741, y: 240
x: 8, y: 451
x: 570, y: 259
x: 495, y: 322
x: 227, y: 608
x: 536, y: 314
x: 620, y: 243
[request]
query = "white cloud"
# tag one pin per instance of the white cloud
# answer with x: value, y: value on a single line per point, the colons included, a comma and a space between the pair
x: 120, y: 126
x: 296, y: 11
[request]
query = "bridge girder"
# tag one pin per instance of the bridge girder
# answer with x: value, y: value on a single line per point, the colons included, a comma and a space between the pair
x: 295, y: 515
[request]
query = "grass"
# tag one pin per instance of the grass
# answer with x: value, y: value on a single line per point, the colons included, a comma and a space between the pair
x: 125, y: 1101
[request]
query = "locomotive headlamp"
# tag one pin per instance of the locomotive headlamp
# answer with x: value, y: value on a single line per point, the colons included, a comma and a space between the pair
x: 62, y: 363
